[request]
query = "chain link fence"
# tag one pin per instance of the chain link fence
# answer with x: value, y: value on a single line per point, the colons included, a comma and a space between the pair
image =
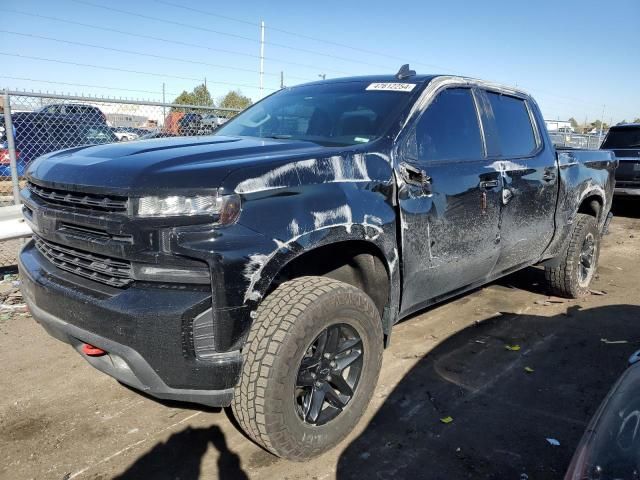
x: 33, y: 124
x: 588, y: 141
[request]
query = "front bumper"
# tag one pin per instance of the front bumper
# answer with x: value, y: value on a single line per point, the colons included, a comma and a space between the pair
x: 144, y: 329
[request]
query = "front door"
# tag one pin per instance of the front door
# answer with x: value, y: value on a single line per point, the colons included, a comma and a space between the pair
x: 449, y: 201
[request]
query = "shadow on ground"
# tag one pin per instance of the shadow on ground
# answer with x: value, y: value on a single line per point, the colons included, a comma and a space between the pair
x: 502, y: 414
x: 180, y: 457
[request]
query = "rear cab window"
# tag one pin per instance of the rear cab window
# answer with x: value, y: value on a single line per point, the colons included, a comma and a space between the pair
x: 513, y: 128
x: 622, y: 137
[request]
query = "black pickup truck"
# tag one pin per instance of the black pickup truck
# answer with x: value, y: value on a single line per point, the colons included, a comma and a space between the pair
x: 624, y: 140
x: 263, y: 267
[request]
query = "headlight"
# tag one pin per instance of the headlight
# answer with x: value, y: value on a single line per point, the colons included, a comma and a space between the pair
x: 226, y: 207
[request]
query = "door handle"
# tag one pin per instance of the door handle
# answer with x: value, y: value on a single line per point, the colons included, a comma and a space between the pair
x: 414, y: 176
x: 489, y: 184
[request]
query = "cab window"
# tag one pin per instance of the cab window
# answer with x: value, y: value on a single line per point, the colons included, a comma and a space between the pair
x: 449, y: 129
x: 513, y: 125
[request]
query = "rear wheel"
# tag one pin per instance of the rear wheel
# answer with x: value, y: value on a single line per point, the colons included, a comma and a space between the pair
x: 311, y: 363
x: 573, y: 276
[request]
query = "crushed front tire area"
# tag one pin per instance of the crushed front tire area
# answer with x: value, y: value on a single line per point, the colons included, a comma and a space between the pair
x: 573, y: 276
x: 311, y: 363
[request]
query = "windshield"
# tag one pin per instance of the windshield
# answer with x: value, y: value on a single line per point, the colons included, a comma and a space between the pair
x: 333, y: 114
x: 627, y: 137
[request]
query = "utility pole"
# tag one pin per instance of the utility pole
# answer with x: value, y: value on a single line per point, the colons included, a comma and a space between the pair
x: 322, y: 75
x: 601, y: 125
x: 281, y: 79
x: 164, y: 109
x: 261, y: 57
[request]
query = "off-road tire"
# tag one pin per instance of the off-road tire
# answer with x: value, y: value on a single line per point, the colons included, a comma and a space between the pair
x: 287, y: 322
x: 564, y: 279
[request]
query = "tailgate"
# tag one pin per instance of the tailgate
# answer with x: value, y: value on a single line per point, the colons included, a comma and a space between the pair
x: 629, y: 168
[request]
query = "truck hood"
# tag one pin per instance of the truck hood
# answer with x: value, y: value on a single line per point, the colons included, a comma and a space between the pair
x: 149, y: 166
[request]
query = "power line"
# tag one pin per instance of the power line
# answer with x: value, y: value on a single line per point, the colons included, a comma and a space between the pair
x: 338, y: 44
x: 301, y: 35
x: 151, y: 55
x: 85, y: 85
x: 574, y: 100
x: 233, y: 35
x: 196, y: 10
x: 167, y: 40
x: 102, y: 67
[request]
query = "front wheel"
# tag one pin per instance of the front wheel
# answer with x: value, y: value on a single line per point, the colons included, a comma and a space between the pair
x: 311, y: 363
x: 573, y: 276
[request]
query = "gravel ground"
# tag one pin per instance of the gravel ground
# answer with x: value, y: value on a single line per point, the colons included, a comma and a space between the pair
x: 60, y: 419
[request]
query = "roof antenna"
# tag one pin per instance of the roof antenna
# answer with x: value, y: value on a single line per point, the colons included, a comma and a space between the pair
x: 404, y: 72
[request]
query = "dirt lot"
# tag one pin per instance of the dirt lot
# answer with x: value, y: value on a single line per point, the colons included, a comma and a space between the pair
x: 60, y: 419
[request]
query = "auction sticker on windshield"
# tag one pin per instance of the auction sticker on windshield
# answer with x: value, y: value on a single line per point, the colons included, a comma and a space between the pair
x: 393, y: 87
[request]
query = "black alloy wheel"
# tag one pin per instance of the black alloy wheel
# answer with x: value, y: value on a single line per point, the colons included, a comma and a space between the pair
x: 328, y: 374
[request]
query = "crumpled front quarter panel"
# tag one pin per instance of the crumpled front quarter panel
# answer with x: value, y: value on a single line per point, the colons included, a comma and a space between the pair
x: 305, y: 203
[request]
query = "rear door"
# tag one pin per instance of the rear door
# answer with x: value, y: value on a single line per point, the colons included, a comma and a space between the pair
x: 449, y: 201
x: 529, y: 178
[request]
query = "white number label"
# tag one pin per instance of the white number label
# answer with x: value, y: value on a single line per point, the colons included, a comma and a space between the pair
x: 393, y: 87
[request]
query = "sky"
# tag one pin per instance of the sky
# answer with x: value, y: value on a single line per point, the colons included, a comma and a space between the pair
x: 577, y: 58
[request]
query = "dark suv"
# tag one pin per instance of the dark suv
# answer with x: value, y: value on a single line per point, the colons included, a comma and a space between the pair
x: 624, y: 140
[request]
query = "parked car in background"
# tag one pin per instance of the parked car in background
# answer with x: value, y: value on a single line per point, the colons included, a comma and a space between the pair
x: 123, y: 135
x: 211, y: 122
x: 158, y: 134
x: 624, y: 140
x: 610, y: 446
x: 189, y: 124
x: 92, y: 135
x: 181, y: 123
x: 264, y: 267
x: 79, y: 112
x: 36, y: 134
x: 126, y: 134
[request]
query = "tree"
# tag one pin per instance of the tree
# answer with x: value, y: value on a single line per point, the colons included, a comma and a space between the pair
x: 599, y: 125
x: 199, y: 96
x: 574, y: 123
x: 184, y: 98
x: 234, y: 99
x: 623, y: 122
x: 637, y: 120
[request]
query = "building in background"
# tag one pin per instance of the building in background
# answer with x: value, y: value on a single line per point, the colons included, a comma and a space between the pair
x: 559, y: 126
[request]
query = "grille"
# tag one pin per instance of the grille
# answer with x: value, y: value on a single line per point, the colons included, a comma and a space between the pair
x: 100, y: 268
x: 60, y: 197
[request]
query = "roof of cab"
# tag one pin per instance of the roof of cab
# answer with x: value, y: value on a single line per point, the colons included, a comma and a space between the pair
x: 626, y: 125
x: 421, y: 79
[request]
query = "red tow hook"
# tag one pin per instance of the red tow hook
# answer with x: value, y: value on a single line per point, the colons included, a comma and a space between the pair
x: 92, y: 351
